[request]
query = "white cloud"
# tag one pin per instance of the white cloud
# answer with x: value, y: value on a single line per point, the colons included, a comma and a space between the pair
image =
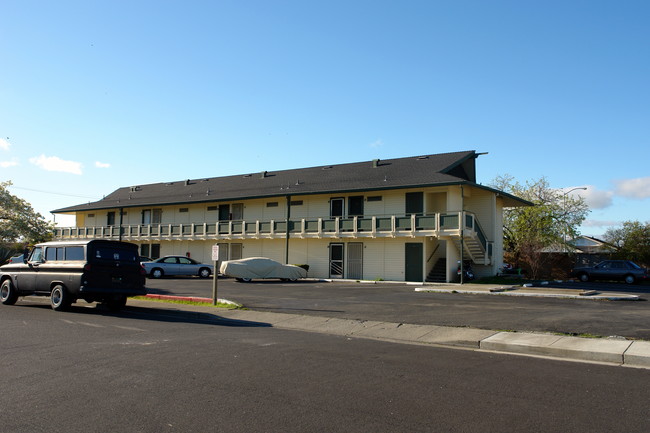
x: 54, y: 163
x: 7, y: 164
x: 597, y: 199
x: 377, y: 143
x: 4, y: 144
x: 102, y: 164
x: 600, y: 223
x: 638, y: 188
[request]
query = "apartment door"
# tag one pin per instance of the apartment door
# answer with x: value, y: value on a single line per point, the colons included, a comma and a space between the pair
x: 224, y: 212
x: 355, y: 260
x: 414, y: 203
x: 337, y: 207
x: 336, y: 261
x: 355, y: 206
x: 413, y: 262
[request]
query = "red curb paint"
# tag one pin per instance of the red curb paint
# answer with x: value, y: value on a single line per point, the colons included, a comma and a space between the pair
x: 180, y: 298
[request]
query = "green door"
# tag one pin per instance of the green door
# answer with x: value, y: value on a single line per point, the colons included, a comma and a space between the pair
x: 413, y: 262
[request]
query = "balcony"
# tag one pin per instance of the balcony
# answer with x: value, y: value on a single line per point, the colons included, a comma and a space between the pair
x: 392, y: 226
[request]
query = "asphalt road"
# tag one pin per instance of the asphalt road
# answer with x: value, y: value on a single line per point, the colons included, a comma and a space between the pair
x: 147, y: 370
x: 401, y: 304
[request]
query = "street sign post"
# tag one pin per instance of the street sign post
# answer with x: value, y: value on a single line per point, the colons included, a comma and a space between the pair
x: 215, y: 274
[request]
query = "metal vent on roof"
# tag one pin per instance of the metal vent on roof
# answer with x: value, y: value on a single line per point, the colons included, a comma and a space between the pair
x: 422, y: 157
x: 328, y: 167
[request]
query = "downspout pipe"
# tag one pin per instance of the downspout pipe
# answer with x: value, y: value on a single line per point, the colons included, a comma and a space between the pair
x: 121, y: 221
x: 462, y: 239
x: 287, y: 233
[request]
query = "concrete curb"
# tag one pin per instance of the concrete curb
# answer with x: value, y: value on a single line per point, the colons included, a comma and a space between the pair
x: 601, y: 350
x: 530, y: 292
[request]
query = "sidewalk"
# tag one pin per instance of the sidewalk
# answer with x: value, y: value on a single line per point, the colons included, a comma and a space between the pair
x: 614, y: 351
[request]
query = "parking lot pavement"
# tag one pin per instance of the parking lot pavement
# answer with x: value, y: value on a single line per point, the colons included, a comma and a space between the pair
x: 446, y: 306
x: 613, y: 351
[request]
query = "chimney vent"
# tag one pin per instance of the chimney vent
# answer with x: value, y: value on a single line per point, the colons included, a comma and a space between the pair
x: 375, y: 163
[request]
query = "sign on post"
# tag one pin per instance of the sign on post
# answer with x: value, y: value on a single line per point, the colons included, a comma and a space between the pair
x: 215, y: 274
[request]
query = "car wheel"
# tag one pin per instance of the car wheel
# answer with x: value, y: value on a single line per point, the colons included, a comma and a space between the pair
x: 243, y: 280
x: 8, y: 293
x: 59, y: 298
x: 583, y: 277
x: 157, y: 273
x: 629, y: 279
x: 204, y: 272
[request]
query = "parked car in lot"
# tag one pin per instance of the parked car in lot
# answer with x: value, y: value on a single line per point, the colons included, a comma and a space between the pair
x: 260, y: 267
x: 94, y: 270
x: 176, y: 265
x: 624, y: 270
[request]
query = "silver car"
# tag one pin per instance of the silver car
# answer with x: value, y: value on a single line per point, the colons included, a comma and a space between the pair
x: 176, y: 265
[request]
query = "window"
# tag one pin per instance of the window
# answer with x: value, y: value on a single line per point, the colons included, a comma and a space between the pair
x: 237, y: 212
x: 296, y: 202
x: 184, y: 209
x: 54, y: 253
x: 110, y: 218
x: 151, y: 216
x: 91, y: 215
x: 150, y: 250
x: 213, y: 208
x: 74, y: 253
x: 272, y: 204
x: 375, y: 198
x: 156, y: 216
x: 37, y: 255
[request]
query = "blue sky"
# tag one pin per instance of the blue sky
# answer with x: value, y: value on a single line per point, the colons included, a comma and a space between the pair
x: 96, y: 95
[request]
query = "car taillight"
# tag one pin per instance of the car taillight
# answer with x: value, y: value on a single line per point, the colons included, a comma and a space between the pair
x: 143, y: 272
x: 87, y: 267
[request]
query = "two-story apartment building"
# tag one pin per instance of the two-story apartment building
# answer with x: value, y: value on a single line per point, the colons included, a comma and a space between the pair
x: 405, y: 219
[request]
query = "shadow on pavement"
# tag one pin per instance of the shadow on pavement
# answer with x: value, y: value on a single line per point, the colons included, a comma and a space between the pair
x: 146, y: 313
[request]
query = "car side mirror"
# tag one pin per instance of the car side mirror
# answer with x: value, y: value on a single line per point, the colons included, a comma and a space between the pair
x: 24, y: 260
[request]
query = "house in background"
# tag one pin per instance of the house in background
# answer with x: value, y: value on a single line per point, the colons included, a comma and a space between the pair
x: 405, y: 219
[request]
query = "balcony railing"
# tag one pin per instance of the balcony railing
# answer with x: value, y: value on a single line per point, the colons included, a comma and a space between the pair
x: 439, y: 224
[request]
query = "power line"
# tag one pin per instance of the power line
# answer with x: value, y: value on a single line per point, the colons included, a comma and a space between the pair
x: 53, y: 193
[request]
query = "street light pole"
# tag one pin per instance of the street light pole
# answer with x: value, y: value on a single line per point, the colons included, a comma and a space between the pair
x: 566, y: 222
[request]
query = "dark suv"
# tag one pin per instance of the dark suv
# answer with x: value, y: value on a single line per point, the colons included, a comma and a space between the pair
x: 624, y: 270
x: 94, y: 270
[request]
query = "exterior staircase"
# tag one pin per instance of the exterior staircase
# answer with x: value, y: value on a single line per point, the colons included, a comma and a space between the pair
x: 438, y: 273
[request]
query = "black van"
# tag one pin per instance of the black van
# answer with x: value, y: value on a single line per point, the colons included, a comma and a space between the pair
x: 94, y: 270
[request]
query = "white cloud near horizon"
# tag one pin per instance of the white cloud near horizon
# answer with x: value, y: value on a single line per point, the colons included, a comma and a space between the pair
x: 638, y: 188
x: 7, y: 164
x: 4, y: 144
x: 600, y: 223
x: 54, y: 163
x: 377, y: 143
x: 102, y: 164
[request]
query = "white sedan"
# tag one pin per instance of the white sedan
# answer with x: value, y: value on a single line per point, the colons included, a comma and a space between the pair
x: 260, y: 267
x: 176, y: 265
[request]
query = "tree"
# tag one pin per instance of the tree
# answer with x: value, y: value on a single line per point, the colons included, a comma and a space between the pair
x: 530, y: 230
x: 632, y: 240
x: 19, y: 223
